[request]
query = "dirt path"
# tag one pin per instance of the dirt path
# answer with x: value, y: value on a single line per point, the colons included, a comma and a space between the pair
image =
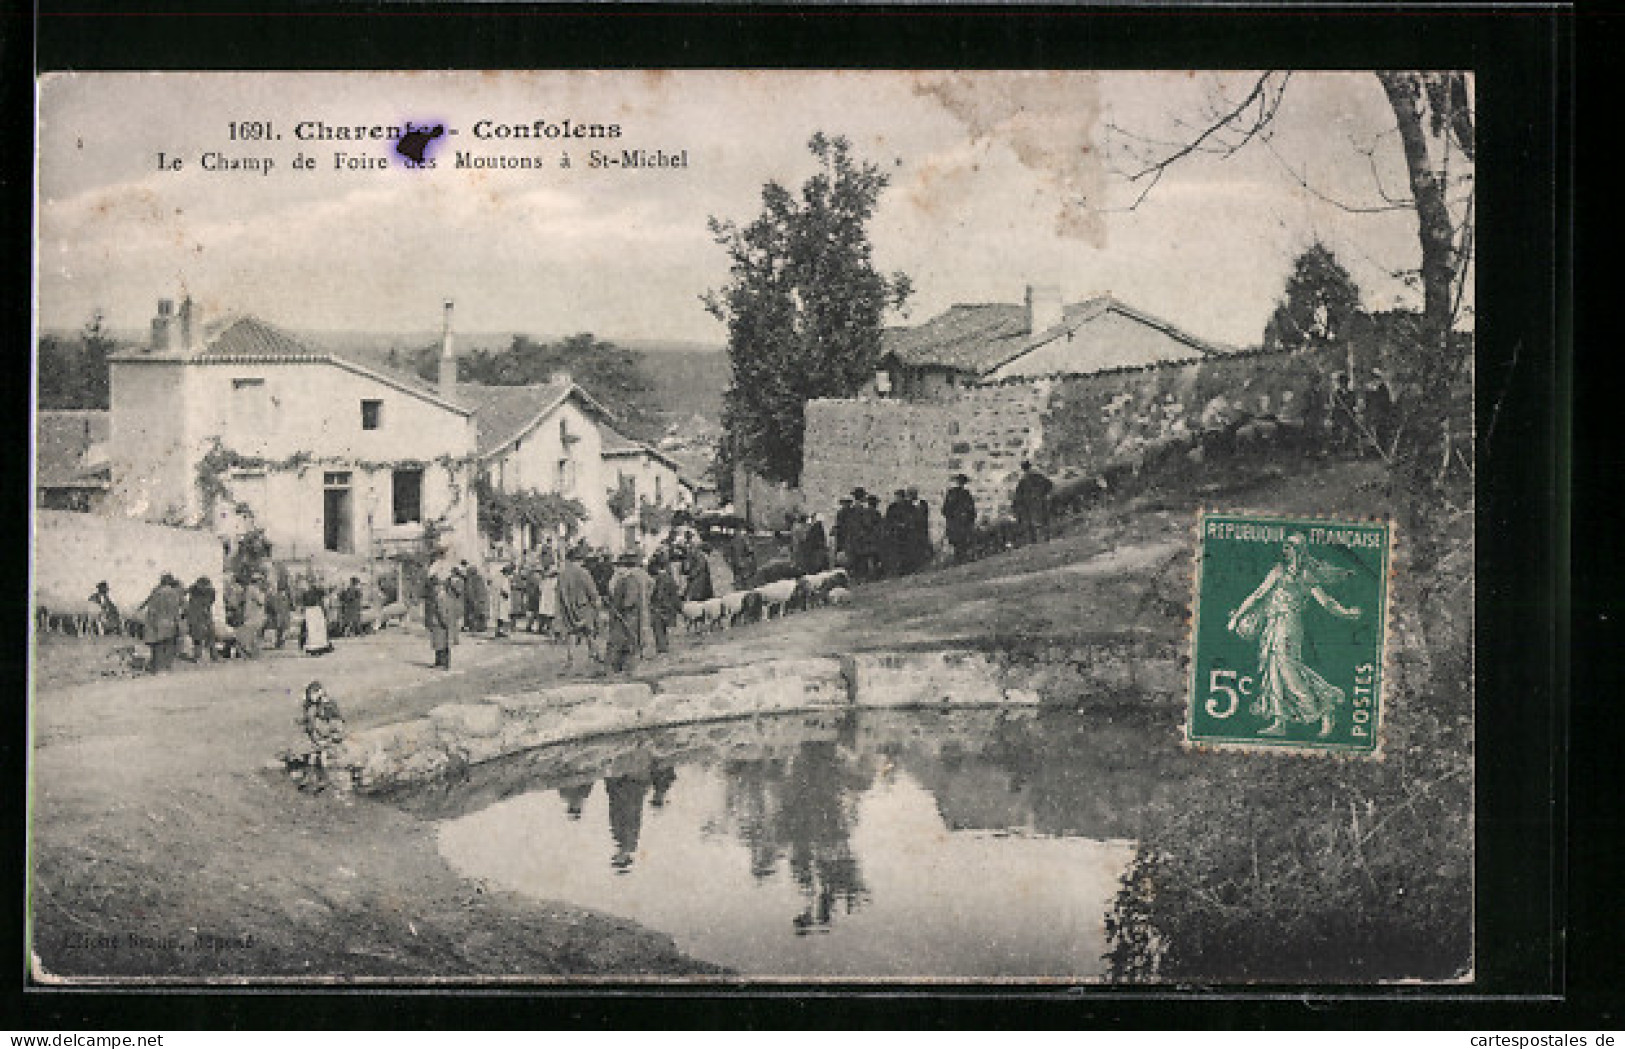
x: 162, y: 846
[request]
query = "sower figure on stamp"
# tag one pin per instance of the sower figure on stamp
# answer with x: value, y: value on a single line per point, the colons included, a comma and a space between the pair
x: 1289, y: 689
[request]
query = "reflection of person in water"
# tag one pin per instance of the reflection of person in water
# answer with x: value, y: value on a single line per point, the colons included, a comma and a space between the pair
x: 575, y: 798
x: 626, y: 795
x: 815, y: 823
x: 1289, y: 689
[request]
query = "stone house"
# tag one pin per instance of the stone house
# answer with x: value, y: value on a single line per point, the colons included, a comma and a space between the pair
x: 236, y: 424
x: 71, y: 470
x: 546, y: 438
x: 985, y: 343
x: 649, y: 477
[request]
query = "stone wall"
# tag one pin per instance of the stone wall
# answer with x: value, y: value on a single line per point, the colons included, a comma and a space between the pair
x: 1070, y: 426
x: 73, y: 552
x: 883, y: 445
x: 455, y: 736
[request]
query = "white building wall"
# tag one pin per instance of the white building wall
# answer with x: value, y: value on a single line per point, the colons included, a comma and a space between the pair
x: 167, y: 417
x: 148, y: 448
x: 533, y: 463
x: 1106, y: 342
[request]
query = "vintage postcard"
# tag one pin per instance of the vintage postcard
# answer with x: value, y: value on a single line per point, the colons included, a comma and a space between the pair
x: 769, y: 526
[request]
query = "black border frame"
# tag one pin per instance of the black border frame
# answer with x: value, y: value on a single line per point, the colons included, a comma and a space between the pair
x: 1524, y: 59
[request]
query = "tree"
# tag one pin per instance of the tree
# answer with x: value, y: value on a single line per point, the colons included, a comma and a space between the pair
x: 612, y: 374
x: 73, y: 373
x: 1319, y: 301
x: 803, y: 306
x: 1433, y: 120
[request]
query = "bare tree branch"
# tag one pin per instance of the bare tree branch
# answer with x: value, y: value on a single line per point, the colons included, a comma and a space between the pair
x: 1231, y: 120
x: 1352, y: 209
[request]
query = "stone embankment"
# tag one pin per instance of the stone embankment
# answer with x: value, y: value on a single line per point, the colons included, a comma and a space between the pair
x: 455, y: 735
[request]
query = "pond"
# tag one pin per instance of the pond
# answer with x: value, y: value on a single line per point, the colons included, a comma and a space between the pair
x: 846, y: 844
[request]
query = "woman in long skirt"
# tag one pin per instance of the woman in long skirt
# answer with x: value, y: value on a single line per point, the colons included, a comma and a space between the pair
x: 315, y: 633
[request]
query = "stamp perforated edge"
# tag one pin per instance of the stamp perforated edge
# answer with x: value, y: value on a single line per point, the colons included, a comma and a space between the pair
x: 1385, y: 645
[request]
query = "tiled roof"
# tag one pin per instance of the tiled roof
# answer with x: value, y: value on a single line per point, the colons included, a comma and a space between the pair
x: 979, y: 338
x: 62, y: 440
x: 615, y: 443
x: 252, y: 337
x: 502, y: 413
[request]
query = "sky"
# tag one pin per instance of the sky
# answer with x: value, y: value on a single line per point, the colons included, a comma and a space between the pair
x: 997, y: 180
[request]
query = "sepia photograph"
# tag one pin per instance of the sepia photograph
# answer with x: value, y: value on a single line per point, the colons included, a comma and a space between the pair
x: 703, y: 527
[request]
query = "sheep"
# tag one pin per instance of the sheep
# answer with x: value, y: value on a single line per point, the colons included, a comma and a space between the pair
x: 741, y: 606
x: 693, y: 613
x: 703, y: 615
x: 779, y: 595
x: 80, y: 617
x: 838, y: 596
x: 820, y: 584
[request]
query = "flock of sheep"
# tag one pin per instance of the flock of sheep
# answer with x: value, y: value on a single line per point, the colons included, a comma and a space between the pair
x: 768, y: 601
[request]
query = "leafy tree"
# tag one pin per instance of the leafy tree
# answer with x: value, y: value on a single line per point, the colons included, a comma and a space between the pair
x: 73, y: 373
x: 611, y: 374
x: 1319, y: 301
x: 803, y: 307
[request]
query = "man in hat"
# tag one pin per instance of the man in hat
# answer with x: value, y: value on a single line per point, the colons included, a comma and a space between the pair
x: 436, y: 620
x: 161, y: 629
x: 843, y: 531
x: 959, y: 514
x: 896, y: 548
x: 869, y: 536
x: 628, y: 607
x: 577, y: 606
x: 665, y: 600
x: 815, y: 547
x: 1031, y: 503
x: 919, y: 530
x: 200, y: 619
x: 350, y: 599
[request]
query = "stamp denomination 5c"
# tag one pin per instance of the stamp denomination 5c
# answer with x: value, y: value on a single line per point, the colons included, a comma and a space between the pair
x: 1288, y: 633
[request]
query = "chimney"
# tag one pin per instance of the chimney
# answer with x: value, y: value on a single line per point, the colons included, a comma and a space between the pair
x: 162, y: 326
x: 189, y: 338
x: 561, y: 378
x: 448, y: 359
x: 1043, y: 307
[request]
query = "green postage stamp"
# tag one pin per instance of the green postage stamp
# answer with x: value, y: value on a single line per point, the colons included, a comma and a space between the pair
x: 1288, y: 633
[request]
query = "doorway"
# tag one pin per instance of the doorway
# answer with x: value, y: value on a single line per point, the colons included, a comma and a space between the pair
x: 337, y: 517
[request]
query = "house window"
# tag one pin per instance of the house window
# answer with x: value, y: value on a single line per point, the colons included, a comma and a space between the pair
x: 566, y: 477
x: 659, y: 501
x: 372, y: 414
x: 407, y: 497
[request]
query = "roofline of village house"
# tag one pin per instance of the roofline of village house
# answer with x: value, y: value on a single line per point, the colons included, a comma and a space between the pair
x: 574, y: 389
x: 303, y: 358
x: 1049, y: 335
x: 639, y: 448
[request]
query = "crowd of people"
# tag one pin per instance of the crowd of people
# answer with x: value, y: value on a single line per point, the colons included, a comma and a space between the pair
x: 616, y: 608
x: 261, y: 605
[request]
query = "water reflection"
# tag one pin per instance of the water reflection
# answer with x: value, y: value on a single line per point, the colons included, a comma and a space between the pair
x: 968, y: 843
